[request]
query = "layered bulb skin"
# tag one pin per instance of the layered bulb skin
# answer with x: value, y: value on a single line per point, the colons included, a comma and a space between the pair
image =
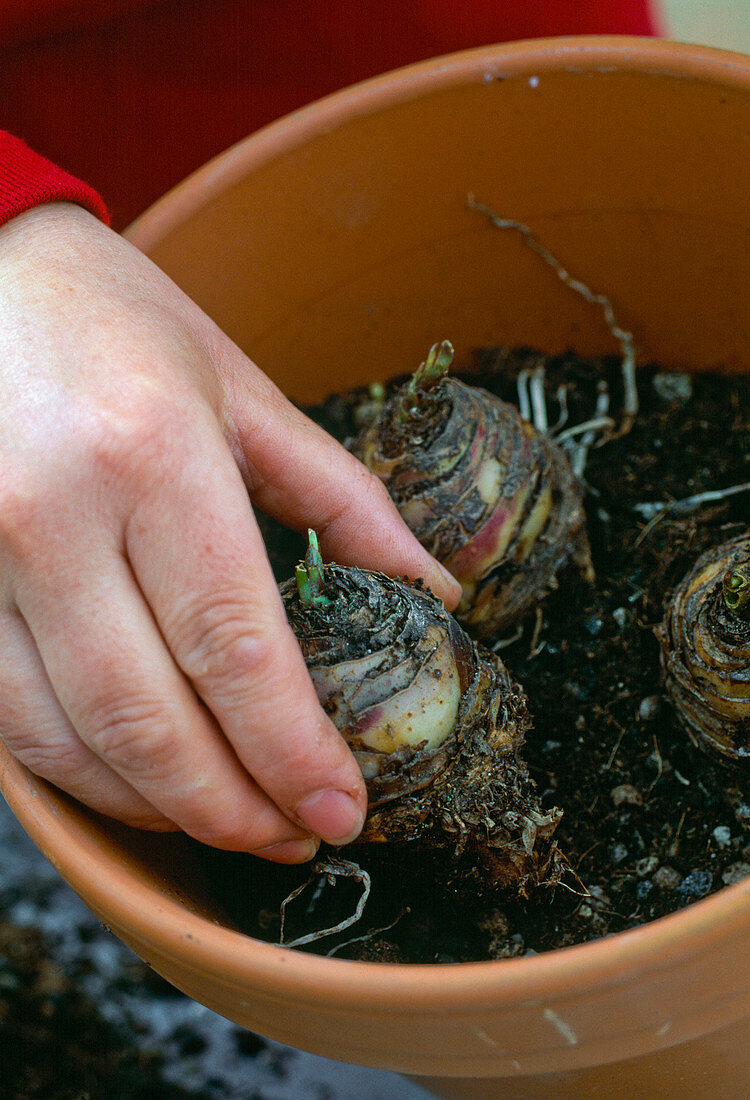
x: 486, y: 494
x: 435, y: 722
x: 705, y: 650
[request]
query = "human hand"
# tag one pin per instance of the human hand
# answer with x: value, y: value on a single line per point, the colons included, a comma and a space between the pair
x: 147, y: 665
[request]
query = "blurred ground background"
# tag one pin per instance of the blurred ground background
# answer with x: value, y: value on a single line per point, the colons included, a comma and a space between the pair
x: 81, y: 1018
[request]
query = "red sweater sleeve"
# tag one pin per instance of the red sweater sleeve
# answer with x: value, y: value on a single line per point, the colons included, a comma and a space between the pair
x: 27, y: 180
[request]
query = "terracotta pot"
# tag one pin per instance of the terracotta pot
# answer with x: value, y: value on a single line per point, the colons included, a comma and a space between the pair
x: 335, y: 246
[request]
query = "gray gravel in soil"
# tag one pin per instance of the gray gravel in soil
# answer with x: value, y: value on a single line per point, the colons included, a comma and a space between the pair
x: 193, y: 1048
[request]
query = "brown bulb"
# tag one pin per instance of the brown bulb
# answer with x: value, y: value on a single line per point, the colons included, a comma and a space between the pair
x: 435, y: 721
x: 489, y: 497
x: 705, y: 643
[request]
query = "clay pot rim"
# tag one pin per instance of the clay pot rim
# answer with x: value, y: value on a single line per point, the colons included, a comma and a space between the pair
x: 160, y: 921
x: 577, y: 53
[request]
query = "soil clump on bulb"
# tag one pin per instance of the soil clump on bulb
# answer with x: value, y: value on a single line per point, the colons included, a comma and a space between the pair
x: 650, y: 823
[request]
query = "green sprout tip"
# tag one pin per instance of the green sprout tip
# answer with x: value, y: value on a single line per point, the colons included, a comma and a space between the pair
x: 435, y: 366
x: 309, y: 575
x: 427, y: 375
x: 736, y: 591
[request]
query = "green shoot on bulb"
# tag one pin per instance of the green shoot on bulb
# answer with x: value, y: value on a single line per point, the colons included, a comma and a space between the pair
x: 309, y: 575
x: 736, y: 590
x: 427, y: 374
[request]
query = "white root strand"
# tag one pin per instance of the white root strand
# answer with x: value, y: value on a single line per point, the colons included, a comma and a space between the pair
x: 332, y: 868
x: 649, y: 509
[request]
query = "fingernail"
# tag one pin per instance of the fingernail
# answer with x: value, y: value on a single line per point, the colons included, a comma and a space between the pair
x: 450, y: 579
x: 290, y: 851
x: 333, y: 815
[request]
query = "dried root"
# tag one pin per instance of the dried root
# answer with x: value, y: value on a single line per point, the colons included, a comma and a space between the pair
x: 622, y: 335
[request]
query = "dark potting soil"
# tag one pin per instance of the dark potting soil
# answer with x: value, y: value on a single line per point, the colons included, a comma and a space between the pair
x: 650, y: 823
x: 55, y: 1043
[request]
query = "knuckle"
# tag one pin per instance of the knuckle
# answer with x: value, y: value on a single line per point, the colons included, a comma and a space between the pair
x: 50, y: 757
x: 136, y: 433
x: 375, y: 489
x: 223, y: 648
x: 366, y: 492
x: 135, y: 736
x: 22, y: 511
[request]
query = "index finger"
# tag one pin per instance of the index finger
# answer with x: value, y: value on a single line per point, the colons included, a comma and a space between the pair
x: 303, y: 477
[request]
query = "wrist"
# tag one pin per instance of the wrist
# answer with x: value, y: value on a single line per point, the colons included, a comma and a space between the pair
x: 45, y: 234
x: 28, y: 179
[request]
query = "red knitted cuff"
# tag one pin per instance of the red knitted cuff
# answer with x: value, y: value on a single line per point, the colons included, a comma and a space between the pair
x: 27, y: 180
